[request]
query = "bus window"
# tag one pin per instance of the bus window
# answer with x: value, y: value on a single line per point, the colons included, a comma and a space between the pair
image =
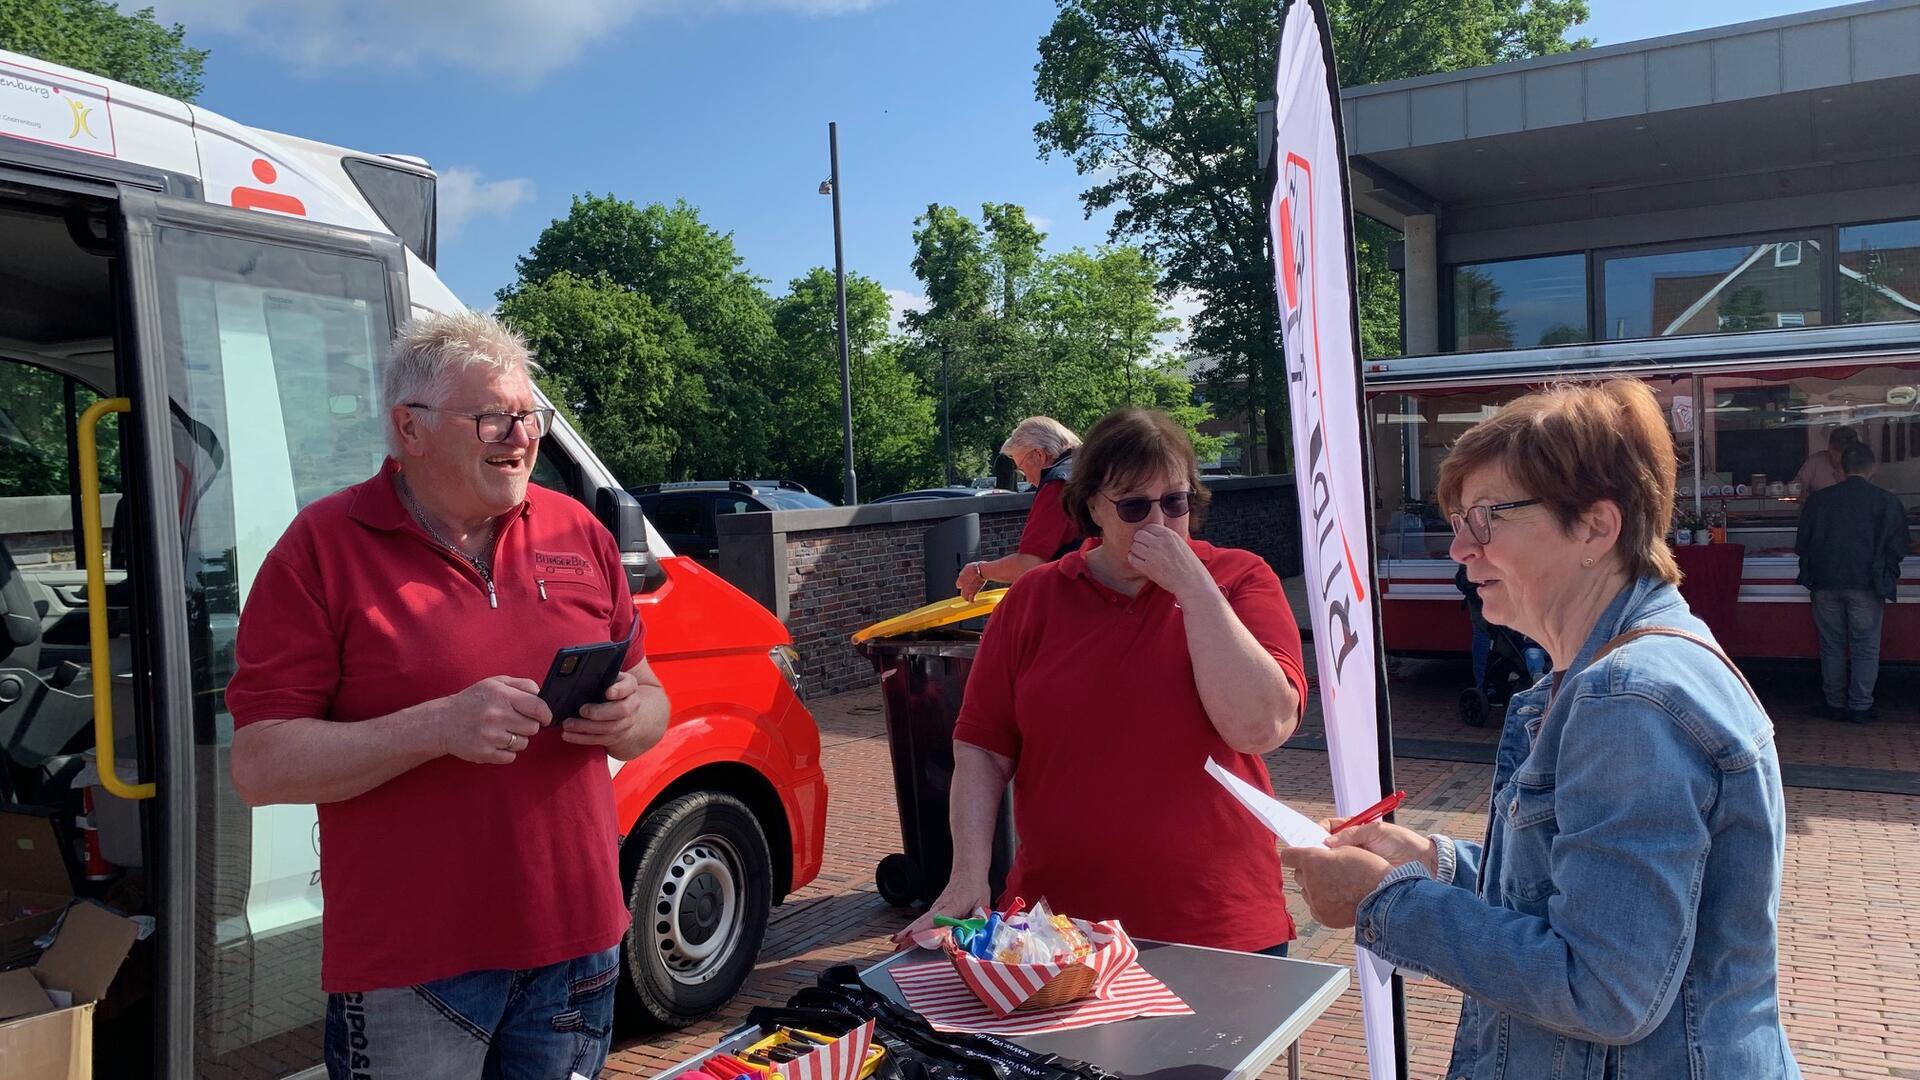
x: 272, y: 354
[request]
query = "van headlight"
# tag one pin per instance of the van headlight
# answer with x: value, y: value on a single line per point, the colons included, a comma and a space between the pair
x: 787, y: 659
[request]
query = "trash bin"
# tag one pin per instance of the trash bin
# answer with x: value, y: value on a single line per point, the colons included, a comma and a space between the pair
x: 923, y: 659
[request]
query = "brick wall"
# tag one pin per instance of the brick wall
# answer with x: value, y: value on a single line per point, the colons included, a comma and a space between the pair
x: 840, y: 580
x: 842, y: 569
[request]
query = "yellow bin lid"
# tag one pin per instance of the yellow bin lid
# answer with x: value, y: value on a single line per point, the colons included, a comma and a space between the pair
x: 937, y: 614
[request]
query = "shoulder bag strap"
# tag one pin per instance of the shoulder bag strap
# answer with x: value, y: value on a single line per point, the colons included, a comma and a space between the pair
x: 1676, y: 632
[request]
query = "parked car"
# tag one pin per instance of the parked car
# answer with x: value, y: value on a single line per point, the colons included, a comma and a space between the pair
x: 687, y: 513
x: 925, y: 494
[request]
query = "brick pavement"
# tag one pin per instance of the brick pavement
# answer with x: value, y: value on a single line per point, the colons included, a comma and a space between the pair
x: 1850, y: 942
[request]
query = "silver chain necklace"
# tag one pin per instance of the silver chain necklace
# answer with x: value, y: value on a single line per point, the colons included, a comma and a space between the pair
x: 482, y: 564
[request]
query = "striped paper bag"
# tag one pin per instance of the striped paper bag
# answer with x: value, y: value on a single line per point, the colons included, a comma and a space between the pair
x: 1006, y: 988
x: 840, y: 1059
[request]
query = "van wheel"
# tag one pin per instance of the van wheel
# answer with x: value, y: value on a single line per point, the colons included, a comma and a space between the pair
x: 699, y: 901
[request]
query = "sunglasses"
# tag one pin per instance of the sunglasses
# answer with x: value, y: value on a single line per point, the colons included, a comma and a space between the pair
x: 1173, y: 504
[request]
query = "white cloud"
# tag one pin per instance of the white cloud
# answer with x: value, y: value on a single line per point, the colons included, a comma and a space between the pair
x: 514, y: 39
x: 464, y: 196
x: 903, y: 301
x: 1040, y: 221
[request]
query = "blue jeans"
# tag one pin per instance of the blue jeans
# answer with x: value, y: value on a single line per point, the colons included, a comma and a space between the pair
x: 1848, y: 621
x: 1277, y: 950
x: 541, y: 1024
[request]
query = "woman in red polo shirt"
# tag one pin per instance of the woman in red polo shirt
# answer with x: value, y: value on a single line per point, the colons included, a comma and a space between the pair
x: 1103, y: 684
x: 1042, y: 449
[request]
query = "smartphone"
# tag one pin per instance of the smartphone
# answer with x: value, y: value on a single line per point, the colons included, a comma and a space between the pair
x: 581, y: 674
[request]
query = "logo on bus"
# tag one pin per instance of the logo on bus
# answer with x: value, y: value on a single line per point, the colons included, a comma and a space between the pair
x: 249, y: 198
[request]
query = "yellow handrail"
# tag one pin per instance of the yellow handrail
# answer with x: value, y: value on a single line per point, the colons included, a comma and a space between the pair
x: 97, y: 600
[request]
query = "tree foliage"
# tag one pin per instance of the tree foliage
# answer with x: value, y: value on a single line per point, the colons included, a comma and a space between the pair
x: 622, y: 368
x: 1011, y: 332
x: 893, y: 425
x: 96, y: 36
x: 684, y: 268
x: 1155, y: 101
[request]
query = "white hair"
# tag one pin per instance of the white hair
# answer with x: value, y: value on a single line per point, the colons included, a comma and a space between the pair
x: 432, y: 351
x: 1041, y: 433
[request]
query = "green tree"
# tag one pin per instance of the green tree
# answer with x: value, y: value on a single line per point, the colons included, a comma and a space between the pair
x: 1021, y: 332
x: 621, y: 367
x: 893, y: 424
x: 96, y: 36
x: 681, y: 266
x: 1155, y: 99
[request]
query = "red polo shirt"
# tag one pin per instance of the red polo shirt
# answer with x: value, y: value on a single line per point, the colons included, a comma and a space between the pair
x: 1092, y: 694
x: 450, y: 867
x: 1048, y: 527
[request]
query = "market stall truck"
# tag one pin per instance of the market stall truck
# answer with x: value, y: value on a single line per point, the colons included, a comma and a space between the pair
x: 192, y: 318
x: 1746, y: 410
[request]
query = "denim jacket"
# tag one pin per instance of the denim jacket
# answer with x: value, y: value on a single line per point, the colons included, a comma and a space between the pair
x: 1620, y: 919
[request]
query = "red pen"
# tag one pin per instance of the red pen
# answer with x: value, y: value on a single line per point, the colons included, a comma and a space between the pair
x: 1373, y: 813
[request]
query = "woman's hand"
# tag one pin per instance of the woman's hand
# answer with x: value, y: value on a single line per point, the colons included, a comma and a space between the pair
x: 1168, y: 561
x: 970, y: 581
x: 1395, y: 843
x: 960, y: 900
x: 1333, y: 881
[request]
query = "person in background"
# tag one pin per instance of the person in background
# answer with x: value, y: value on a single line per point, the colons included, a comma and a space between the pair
x: 1042, y: 449
x: 1104, y: 683
x: 1852, y: 538
x: 385, y: 670
x: 1621, y: 918
x: 1822, y: 468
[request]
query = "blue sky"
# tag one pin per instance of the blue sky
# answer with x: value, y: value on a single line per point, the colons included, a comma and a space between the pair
x: 724, y: 103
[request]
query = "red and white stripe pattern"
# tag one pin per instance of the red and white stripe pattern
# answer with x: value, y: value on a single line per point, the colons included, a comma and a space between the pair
x: 1005, y: 987
x: 838, y: 1060
x: 936, y: 991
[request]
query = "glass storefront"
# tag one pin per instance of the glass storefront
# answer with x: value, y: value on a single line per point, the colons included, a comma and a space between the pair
x: 1741, y: 440
x: 1520, y: 303
x: 1880, y: 272
x: 1756, y: 285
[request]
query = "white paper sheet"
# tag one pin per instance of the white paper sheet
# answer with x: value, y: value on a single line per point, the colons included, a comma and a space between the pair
x: 1288, y: 824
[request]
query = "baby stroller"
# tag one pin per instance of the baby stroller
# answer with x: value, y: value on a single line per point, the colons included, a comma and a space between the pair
x: 1512, y: 661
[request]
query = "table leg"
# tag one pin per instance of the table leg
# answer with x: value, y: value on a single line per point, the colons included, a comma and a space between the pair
x: 1293, y: 1061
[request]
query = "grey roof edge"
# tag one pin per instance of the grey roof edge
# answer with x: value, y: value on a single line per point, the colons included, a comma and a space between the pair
x: 1856, y: 342
x: 1624, y: 48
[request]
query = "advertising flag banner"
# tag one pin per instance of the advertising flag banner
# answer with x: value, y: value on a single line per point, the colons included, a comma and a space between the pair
x: 1311, y: 223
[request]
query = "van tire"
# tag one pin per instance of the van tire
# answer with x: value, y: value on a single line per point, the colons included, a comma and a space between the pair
x: 701, y: 894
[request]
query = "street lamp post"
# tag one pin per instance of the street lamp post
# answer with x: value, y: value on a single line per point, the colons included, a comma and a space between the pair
x: 850, y: 487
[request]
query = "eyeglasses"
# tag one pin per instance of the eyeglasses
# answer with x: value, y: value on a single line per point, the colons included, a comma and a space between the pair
x: 1478, y: 520
x: 497, y: 427
x: 1132, y: 511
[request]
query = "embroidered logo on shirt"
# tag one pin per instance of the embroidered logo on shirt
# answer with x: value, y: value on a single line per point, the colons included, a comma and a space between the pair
x: 564, y: 564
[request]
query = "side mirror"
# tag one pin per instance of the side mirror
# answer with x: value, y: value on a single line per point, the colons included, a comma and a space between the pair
x: 622, y: 516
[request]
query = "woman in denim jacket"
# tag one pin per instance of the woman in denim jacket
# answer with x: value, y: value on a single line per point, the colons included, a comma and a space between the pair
x: 1619, y: 920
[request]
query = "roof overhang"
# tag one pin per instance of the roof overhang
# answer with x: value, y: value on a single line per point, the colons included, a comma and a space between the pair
x: 1829, y: 87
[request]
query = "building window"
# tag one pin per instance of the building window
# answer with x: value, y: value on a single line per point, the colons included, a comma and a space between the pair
x: 1520, y: 303
x: 1730, y: 288
x: 1880, y: 272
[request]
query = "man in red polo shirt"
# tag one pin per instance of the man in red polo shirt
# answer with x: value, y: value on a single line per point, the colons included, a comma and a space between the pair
x: 385, y: 670
x: 1042, y: 449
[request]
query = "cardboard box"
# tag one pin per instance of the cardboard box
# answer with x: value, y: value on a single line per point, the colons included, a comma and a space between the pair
x: 34, y: 886
x: 46, y: 1014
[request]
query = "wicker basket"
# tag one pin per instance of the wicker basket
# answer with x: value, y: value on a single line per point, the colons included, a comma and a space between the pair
x: 1071, y: 984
